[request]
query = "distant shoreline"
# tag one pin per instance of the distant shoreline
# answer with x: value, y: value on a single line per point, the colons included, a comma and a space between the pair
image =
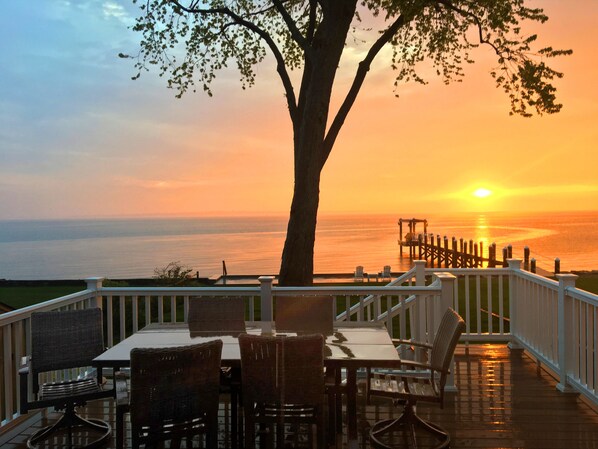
x: 151, y: 280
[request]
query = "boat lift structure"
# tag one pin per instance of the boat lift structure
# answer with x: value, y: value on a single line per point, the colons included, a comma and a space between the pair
x: 411, y: 237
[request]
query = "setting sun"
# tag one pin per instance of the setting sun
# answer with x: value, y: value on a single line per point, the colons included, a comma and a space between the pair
x: 482, y: 193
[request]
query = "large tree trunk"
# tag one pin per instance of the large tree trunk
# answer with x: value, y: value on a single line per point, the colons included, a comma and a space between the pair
x: 309, y: 130
x: 298, y: 255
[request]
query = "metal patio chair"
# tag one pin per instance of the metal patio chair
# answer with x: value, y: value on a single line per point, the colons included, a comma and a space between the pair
x: 65, y: 340
x: 421, y: 382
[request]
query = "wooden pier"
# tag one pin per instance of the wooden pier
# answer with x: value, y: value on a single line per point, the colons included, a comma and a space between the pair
x: 441, y: 252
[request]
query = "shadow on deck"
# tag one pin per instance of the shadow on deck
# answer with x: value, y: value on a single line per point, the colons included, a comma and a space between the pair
x: 504, y: 401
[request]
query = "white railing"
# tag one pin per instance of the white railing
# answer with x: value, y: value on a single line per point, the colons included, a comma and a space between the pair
x: 481, y: 297
x: 554, y: 321
x: 127, y: 309
x: 579, y: 353
x: 558, y: 324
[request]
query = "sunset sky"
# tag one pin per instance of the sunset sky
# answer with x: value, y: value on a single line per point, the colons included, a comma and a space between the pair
x: 79, y: 138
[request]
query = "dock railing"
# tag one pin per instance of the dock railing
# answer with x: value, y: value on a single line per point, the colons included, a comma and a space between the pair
x: 554, y: 321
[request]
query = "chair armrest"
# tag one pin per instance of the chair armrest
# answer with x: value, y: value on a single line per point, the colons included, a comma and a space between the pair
x: 333, y: 384
x: 24, y: 367
x: 412, y: 364
x: 419, y: 344
x: 24, y: 370
x: 121, y: 390
x: 421, y: 365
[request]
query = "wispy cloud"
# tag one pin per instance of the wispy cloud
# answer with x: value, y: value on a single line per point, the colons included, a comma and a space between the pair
x: 526, y: 191
x: 551, y: 190
x: 25, y: 180
x: 162, y: 184
x: 113, y: 10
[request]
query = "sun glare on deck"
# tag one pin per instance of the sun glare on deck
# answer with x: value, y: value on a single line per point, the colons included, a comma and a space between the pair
x: 482, y: 193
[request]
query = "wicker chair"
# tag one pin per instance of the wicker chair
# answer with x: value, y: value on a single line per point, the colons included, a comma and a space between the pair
x: 220, y: 316
x: 217, y: 315
x: 424, y: 383
x: 174, y: 395
x: 304, y: 314
x: 283, y: 383
x: 65, y: 340
x: 308, y: 315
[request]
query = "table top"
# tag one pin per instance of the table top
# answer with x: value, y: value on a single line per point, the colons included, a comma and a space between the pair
x: 350, y: 345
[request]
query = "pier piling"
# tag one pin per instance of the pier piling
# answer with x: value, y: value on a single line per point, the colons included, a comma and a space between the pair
x: 458, y: 253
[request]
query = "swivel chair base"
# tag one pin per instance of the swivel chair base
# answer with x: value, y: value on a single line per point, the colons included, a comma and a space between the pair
x: 69, y: 420
x: 408, y: 422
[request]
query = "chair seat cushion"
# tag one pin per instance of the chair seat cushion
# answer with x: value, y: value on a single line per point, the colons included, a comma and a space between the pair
x: 392, y: 385
x: 291, y: 412
x: 57, y: 390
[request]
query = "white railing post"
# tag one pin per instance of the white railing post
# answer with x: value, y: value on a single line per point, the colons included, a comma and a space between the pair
x: 95, y: 283
x: 266, y: 301
x: 419, y: 333
x: 514, y: 268
x: 447, y: 291
x: 564, y: 330
x: 420, y: 272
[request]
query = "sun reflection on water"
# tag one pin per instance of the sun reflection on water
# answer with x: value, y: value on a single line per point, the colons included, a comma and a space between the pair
x: 482, y: 233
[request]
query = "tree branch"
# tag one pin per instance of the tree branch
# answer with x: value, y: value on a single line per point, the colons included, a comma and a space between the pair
x: 307, y: 68
x: 292, y: 26
x: 476, y: 19
x: 280, y: 64
x: 362, y: 70
x: 311, y: 27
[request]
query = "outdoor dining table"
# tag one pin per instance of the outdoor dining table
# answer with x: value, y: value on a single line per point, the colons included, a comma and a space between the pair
x: 351, y: 346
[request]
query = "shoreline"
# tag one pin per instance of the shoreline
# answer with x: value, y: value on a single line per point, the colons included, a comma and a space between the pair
x: 213, y: 279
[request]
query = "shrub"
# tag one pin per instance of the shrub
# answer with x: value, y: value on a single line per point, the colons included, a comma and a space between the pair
x: 173, y: 274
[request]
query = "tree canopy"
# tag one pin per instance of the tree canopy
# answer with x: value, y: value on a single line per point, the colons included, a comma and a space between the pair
x: 189, y: 42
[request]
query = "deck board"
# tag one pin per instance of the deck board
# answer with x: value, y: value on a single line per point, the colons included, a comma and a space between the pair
x: 504, y: 401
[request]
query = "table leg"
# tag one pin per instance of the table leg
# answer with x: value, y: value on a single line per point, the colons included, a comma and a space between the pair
x: 352, y: 404
x: 338, y: 401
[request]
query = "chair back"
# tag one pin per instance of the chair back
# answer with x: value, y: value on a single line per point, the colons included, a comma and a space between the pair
x: 446, y: 339
x: 64, y: 339
x: 304, y: 314
x: 282, y: 370
x: 359, y: 273
x: 213, y: 315
x: 177, y: 384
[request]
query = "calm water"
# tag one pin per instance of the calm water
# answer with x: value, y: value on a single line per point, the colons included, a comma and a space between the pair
x: 73, y: 249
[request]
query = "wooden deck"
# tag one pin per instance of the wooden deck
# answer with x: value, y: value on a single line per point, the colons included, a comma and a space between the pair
x: 504, y: 401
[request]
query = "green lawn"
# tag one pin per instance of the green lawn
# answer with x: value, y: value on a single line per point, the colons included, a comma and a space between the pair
x: 19, y: 297
x: 588, y: 281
